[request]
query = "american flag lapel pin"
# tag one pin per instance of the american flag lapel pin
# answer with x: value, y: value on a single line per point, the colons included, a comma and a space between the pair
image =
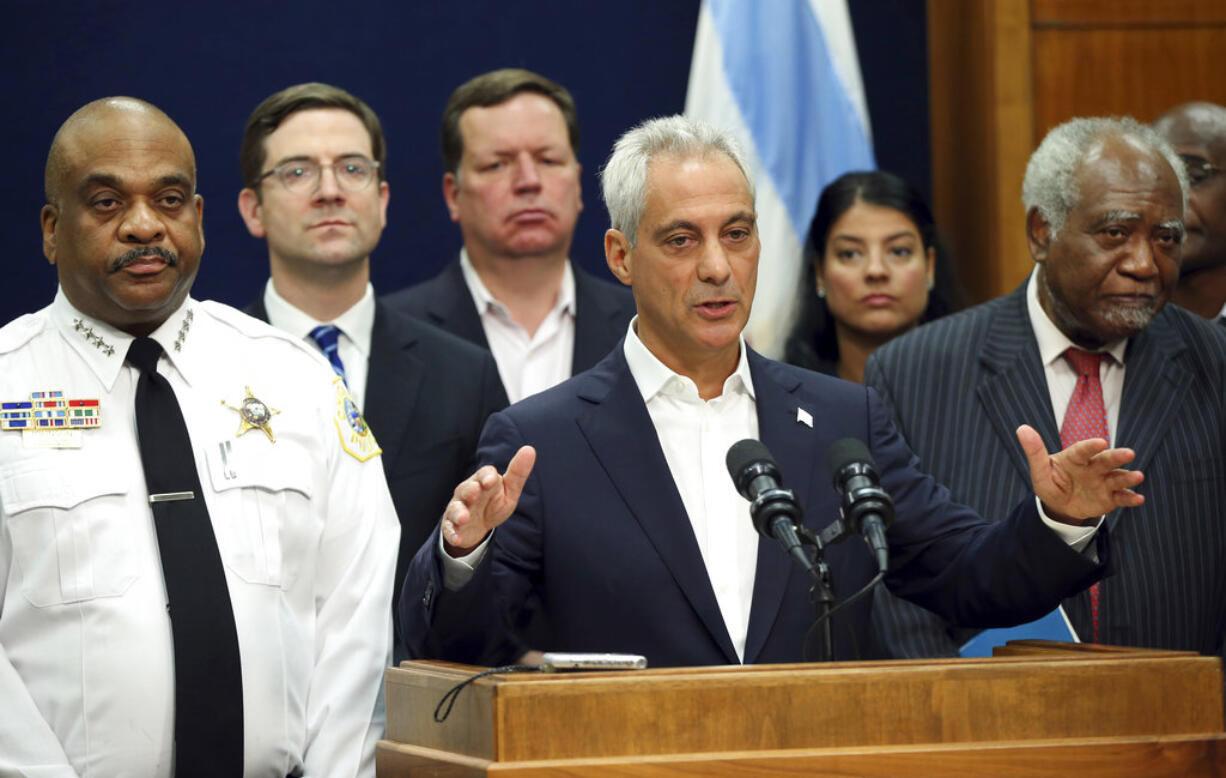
x: 804, y: 417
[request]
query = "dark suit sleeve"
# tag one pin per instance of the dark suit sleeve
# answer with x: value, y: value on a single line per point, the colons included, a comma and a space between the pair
x: 474, y: 624
x: 946, y: 558
x: 902, y: 629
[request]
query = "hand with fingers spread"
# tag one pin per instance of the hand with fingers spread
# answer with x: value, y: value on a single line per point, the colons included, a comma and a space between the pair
x: 1083, y: 481
x: 483, y: 501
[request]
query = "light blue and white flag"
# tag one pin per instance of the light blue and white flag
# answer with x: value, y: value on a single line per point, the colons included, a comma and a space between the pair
x: 783, y: 76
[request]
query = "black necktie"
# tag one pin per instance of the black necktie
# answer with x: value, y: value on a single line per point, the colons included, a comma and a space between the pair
x: 208, y: 673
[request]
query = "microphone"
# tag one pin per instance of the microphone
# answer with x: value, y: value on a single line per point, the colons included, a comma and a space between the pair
x: 774, y: 509
x: 866, y: 508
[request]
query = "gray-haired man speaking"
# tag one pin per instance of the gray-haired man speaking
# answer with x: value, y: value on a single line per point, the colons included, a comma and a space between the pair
x: 615, y: 506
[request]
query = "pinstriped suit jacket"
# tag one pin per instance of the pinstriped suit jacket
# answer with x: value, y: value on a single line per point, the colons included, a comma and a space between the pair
x: 960, y: 386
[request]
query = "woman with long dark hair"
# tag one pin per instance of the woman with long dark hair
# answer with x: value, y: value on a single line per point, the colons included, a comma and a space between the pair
x: 878, y: 271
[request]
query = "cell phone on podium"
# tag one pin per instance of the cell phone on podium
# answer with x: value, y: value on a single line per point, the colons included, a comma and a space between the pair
x: 553, y: 661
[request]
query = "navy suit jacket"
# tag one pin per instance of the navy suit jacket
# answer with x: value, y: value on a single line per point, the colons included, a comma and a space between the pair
x: 960, y: 386
x: 428, y: 394
x: 602, y: 537
x: 602, y: 311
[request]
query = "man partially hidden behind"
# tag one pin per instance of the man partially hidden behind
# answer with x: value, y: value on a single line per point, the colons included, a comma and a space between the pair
x: 196, y: 538
x: 314, y: 161
x: 619, y: 512
x: 511, y: 182
x: 1087, y: 347
x: 1197, y: 131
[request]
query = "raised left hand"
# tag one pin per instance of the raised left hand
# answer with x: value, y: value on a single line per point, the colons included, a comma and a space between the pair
x: 1083, y: 481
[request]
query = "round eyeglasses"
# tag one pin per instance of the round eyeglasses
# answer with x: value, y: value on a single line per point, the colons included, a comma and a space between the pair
x: 353, y: 174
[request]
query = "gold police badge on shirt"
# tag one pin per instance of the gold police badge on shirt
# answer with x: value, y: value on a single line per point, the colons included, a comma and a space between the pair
x: 254, y: 414
x: 356, y: 437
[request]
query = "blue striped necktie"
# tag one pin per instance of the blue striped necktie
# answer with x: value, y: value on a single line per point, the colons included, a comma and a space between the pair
x: 325, y: 336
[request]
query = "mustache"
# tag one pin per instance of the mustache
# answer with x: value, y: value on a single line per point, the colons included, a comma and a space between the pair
x: 122, y: 261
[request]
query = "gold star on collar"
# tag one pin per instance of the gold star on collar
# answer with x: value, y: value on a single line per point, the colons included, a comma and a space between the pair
x: 254, y: 413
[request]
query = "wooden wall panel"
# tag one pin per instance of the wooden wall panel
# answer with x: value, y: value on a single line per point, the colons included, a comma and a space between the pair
x: 1105, y: 13
x: 1136, y: 71
x: 980, y: 103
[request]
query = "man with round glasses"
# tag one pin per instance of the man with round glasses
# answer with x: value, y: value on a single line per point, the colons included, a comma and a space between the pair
x: 314, y: 162
x: 301, y: 176
x: 1198, y: 133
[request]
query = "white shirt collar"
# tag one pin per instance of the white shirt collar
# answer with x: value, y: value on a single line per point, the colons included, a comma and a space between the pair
x: 653, y: 377
x: 1051, y: 341
x: 486, y: 301
x: 357, y: 323
x: 104, y: 347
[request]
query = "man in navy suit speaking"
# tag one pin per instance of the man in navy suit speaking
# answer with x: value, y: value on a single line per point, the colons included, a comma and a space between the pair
x: 614, y: 506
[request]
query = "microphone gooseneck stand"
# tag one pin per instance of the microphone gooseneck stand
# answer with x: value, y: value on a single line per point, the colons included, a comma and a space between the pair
x: 821, y: 594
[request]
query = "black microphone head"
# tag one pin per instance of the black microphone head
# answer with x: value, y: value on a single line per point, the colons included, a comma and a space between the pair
x: 846, y: 452
x: 740, y: 458
x: 746, y: 452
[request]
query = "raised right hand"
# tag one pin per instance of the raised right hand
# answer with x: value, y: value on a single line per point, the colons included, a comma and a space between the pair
x: 483, y: 501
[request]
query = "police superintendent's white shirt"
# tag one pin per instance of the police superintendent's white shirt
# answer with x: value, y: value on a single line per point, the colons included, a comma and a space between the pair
x: 307, y: 533
x: 353, y: 343
x: 526, y: 363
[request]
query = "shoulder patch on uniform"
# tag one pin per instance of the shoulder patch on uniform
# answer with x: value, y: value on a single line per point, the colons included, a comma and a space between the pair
x: 20, y: 331
x: 356, y: 437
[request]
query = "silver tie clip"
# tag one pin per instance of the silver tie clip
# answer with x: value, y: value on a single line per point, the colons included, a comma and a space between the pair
x: 171, y: 496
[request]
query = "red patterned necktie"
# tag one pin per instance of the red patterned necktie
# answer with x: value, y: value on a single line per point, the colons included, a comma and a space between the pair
x: 1086, y: 417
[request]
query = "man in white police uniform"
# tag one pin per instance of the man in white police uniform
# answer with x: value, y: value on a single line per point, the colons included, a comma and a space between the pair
x: 196, y: 538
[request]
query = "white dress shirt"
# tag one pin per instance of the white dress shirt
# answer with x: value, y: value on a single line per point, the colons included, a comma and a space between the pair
x: 527, y: 363
x: 306, y: 532
x: 1061, y: 381
x: 353, y: 343
x: 696, y: 435
x: 1061, y: 377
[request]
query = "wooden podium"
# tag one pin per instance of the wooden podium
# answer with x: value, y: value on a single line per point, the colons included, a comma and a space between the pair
x: 1036, y: 708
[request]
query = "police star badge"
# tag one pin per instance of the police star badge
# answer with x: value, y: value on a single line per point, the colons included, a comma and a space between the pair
x: 356, y: 437
x: 254, y: 414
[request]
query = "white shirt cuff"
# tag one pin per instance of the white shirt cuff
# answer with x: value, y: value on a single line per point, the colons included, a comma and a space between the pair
x: 1077, y: 536
x: 458, y: 571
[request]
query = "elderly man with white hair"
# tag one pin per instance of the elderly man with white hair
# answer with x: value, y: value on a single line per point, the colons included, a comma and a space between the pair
x: 612, y: 504
x: 1086, y: 347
